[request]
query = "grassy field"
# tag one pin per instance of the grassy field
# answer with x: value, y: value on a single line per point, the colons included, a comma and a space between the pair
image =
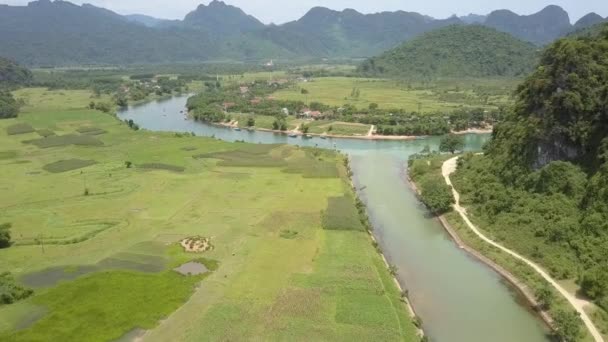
x: 432, y: 97
x: 97, y: 239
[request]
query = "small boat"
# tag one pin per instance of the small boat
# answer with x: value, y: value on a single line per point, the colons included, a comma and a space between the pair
x: 293, y: 135
x: 237, y: 129
x: 307, y: 136
x: 324, y: 137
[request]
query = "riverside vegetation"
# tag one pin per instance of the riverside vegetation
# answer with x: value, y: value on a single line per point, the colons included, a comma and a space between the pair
x: 540, y: 188
x: 96, y: 211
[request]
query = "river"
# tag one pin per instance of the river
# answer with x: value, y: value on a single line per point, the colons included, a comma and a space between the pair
x: 457, y: 297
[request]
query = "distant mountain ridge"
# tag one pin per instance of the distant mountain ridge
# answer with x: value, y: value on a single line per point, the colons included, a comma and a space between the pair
x: 60, y: 33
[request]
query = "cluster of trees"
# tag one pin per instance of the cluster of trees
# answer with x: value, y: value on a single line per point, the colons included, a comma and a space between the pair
x: 9, y: 107
x: 216, y: 103
x: 11, y: 75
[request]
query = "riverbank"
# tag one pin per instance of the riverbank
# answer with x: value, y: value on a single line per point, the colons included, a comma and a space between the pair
x: 518, y: 284
x: 404, y: 298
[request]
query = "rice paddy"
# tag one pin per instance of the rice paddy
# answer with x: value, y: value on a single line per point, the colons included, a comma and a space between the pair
x: 98, y: 244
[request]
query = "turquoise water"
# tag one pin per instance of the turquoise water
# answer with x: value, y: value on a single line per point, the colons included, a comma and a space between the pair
x: 457, y: 298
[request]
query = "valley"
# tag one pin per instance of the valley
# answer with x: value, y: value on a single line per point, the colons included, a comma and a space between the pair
x: 345, y: 175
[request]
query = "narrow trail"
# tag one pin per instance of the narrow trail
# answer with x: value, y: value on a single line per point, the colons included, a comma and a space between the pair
x: 449, y: 167
x: 372, y: 129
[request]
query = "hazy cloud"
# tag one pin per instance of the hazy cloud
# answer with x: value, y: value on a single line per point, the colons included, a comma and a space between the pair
x: 280, y: 12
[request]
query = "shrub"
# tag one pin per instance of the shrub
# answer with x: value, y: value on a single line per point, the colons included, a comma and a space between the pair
x: 5, y: 235
x: 567, y: 326
x: 436, y: 195
x: 10, y: 291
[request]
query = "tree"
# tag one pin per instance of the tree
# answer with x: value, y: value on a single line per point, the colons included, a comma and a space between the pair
x: 373, y: 106
x: 567, y: 326
x: 92, y: 105
x: 436, y: 195
x: 304, y: 91
x: 121, y: 101
x: 451, y: 143
x: 250, y: 121
x: 9, y: 108
x: 5, y: 235
x: 304, y: 128
x: 128, y: 164
x: 544, y: 296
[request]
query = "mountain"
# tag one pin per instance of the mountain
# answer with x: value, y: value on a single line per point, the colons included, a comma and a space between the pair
x: 540, y: 28
x: 474, y: 18
x: 146, y: 20
x: 588, y: 21
x: 60, y: 33
x: 349, y: 33
x: 591, y: 31
x: 456, y: 51
x: 220, y: 19
x: 13, y: 74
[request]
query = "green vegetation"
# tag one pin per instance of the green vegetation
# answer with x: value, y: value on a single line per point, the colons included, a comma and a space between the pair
x: 540, y: 188
x: 9, y: 108
x: 451, y: 143
x: 444, y: 95
x: 19, y: 128
x: 12, y: 74
x: 5, y: 235
x: 10, y: 291
x: 453, y: 51
x: 161, y: 166
x: 68, y: 165
x: 102, y: 264
x: 341, y: 214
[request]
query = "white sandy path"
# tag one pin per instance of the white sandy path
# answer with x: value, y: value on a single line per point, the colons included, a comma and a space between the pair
x: 447, y: 169
x: 372, y: 129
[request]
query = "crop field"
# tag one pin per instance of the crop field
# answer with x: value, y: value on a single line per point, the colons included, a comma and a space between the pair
x: 390, y: 94
x: 97, y: 238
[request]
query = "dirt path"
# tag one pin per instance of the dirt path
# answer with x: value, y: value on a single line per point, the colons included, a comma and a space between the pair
x: 371, y: 131
x: 447, y: 169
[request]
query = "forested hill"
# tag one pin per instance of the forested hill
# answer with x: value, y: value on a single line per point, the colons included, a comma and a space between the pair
x: 541, y: 186
x: 13, y: 74
x: 455, y: 51
x: 561, y: 109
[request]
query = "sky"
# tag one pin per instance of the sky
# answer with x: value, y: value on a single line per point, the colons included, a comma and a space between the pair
x: 278, y: 12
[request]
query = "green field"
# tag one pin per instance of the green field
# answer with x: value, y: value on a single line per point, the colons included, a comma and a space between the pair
x: 446, y: 95
x: 97, y: 239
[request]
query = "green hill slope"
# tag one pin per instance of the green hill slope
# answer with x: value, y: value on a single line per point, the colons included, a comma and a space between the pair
x: 456, y: 51
x: 13, y: 74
